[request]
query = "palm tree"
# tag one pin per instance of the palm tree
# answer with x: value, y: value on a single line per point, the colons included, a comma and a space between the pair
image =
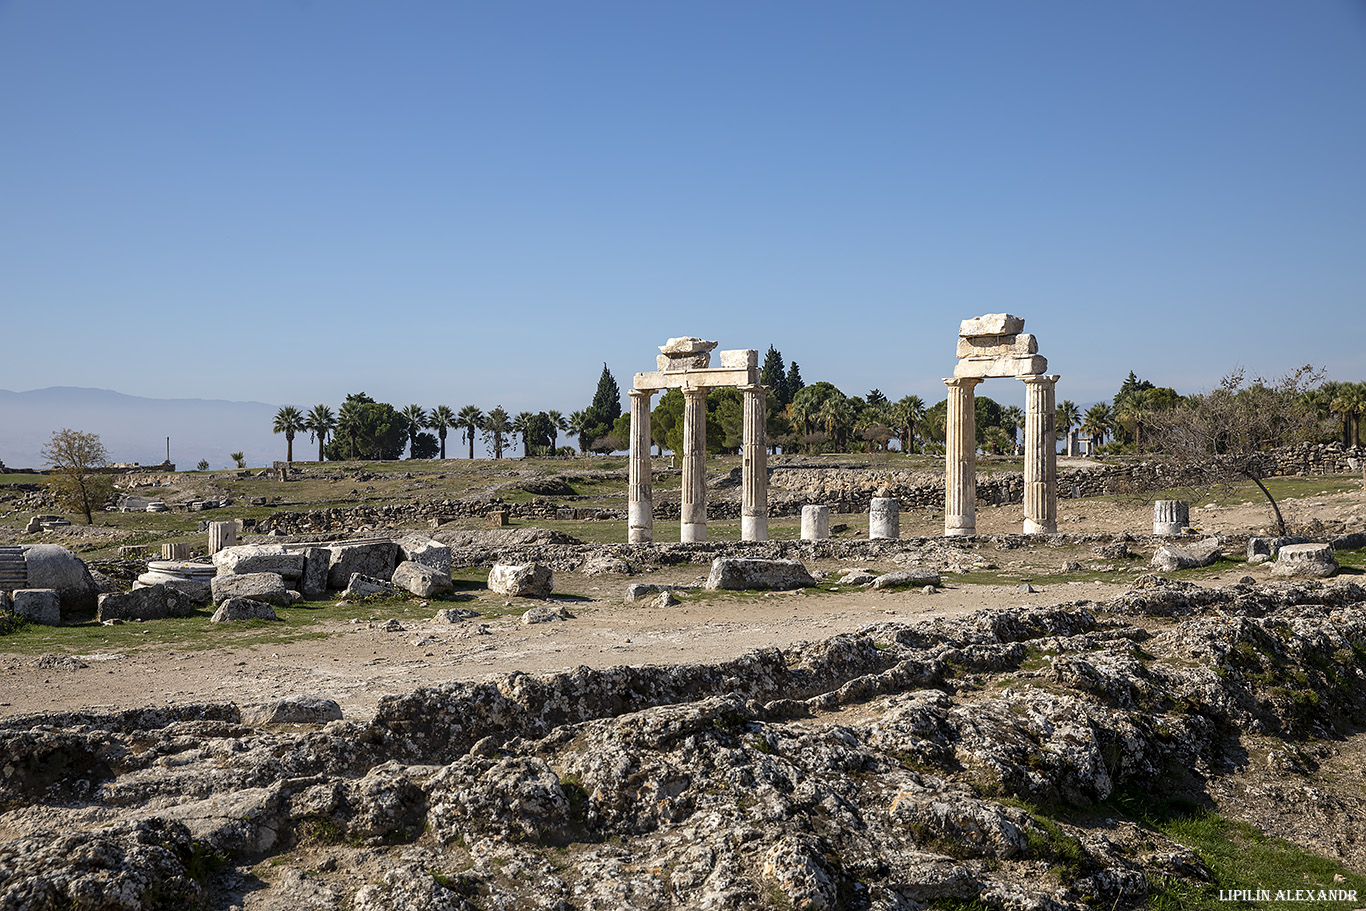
x: 289, y: 421
x: 1066, y: 416
x: 1097, y: 422
x: 908, y: 412
x: 520, y: 425
x: 1130, y: 413
x: 1350, y: 402
x: 441, y: 419
x: 577, y: 424
x: 471, y: 420
x: 557, y: 423
x: 836, y: 416
x: 496, y: 427
x: 348, y: 420
x: 320, y: 423
x: 415, y: 416
x: 1012, y: 419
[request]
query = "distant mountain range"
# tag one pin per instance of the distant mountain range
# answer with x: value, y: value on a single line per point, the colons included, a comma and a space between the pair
x: 134, y: 429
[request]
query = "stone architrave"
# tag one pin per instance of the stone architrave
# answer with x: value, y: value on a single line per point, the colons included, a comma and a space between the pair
x: 1170, y: 517
x: 640, y: 504
x: 754, y: 473
x: 884, y: 518
x: 1041, y: 457
x: 694, y: 519
x: 960, y: 458
x: 815, y: 523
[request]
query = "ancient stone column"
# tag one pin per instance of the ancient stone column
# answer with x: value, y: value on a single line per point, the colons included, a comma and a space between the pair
x: 641, y: 517
x: 754, y: 491
x: 694, y: 527
x: 1041, y: 456
x: 960, y: 458
x: 815, y: 523
x: 884, y: 517
x: 221, y: 535
x: 177, y: 551
x: 1170, y: 517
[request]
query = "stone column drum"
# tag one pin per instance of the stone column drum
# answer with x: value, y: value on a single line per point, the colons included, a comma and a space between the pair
x: 641, y: 517
x: 178, y: 551
x: 754, y: 491
x: 221, y: 535
x: 1041, y: 456
x: 815, y: 523
x: 960, y: 458
x: 884, y: 518
x: 694, y: 525
x: 1170, y: 517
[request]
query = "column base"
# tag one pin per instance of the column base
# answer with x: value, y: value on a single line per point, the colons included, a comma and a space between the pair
x: 639, y: 535
x: 1039, y: 528
x: 960, y: 527
x: 693, y: 532
x: 754, y: 528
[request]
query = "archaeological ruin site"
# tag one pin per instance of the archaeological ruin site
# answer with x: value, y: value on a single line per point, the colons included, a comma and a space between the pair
x: 851, y: 680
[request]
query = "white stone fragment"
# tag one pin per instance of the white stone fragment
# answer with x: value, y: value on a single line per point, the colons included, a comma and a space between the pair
x: 1033, y: 365
x: 991, y: 324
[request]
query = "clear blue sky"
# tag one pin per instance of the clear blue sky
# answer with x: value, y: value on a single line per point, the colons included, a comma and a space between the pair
x: 459, y: 202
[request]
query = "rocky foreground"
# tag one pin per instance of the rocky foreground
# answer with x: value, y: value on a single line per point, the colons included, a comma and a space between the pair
x: 1000, y: 759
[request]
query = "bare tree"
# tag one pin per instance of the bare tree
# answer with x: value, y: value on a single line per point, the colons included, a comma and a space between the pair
x: 75, y: 458
x: 1227, y: 435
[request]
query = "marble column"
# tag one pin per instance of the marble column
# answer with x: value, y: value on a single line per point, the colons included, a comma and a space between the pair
x: 222, y: 535
x: 754, y: 490
x: 815, y: 523
x: 641, y: 515
x: 694, y: 528
x: 960, y: 458
x: 1041, y: 456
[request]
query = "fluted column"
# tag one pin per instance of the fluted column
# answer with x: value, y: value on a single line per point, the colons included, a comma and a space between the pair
x: 960, y: 458
x: 694, y: 466
x: 754, y: 474
x: 641, y: 515
x: 1041, y: 456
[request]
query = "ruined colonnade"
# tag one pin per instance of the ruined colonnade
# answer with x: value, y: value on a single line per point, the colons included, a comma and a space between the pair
x: 685, y: 363
x: 994, y: 346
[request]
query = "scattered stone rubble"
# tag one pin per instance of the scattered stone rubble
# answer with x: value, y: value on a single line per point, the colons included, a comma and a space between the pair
x: 889, y: 769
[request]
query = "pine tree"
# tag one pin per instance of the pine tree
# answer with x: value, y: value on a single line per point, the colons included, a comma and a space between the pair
x: 774, y: 374
x: 794, y: 383
x: 607, y: 400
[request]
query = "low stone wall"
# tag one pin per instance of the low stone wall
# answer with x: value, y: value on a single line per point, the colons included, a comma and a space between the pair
x: 412, y: 514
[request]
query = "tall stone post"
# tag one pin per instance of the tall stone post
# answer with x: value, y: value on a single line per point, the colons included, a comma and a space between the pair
x: 754, y: 490
x: 694, y: 528
x: 221, y: 535
x: 960, y: 458
x: 1041, y: 456
x: 641, y: 517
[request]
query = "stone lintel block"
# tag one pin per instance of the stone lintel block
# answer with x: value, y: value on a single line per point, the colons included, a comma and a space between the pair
x: 698, y: 379
x: 988, y: 367
x: 998, y: 346
x: 686, y: 345
x: 740, y: 358
x: 671, y: 364
x: 991, y: 324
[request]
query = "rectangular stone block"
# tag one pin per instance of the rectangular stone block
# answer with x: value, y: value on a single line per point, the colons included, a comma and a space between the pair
x: 41, y: 605
x: 674, y: 363
x: 998, y: 346
x: 986, y: 368
x: 741, y: 358
x: 991, y: 324
x: 698, y: 379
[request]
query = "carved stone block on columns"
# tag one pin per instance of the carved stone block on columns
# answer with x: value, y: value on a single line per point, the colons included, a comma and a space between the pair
x: 641, y: 517
x: 960, y: 458
x: 694, y: 524
x: 754, y: 493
